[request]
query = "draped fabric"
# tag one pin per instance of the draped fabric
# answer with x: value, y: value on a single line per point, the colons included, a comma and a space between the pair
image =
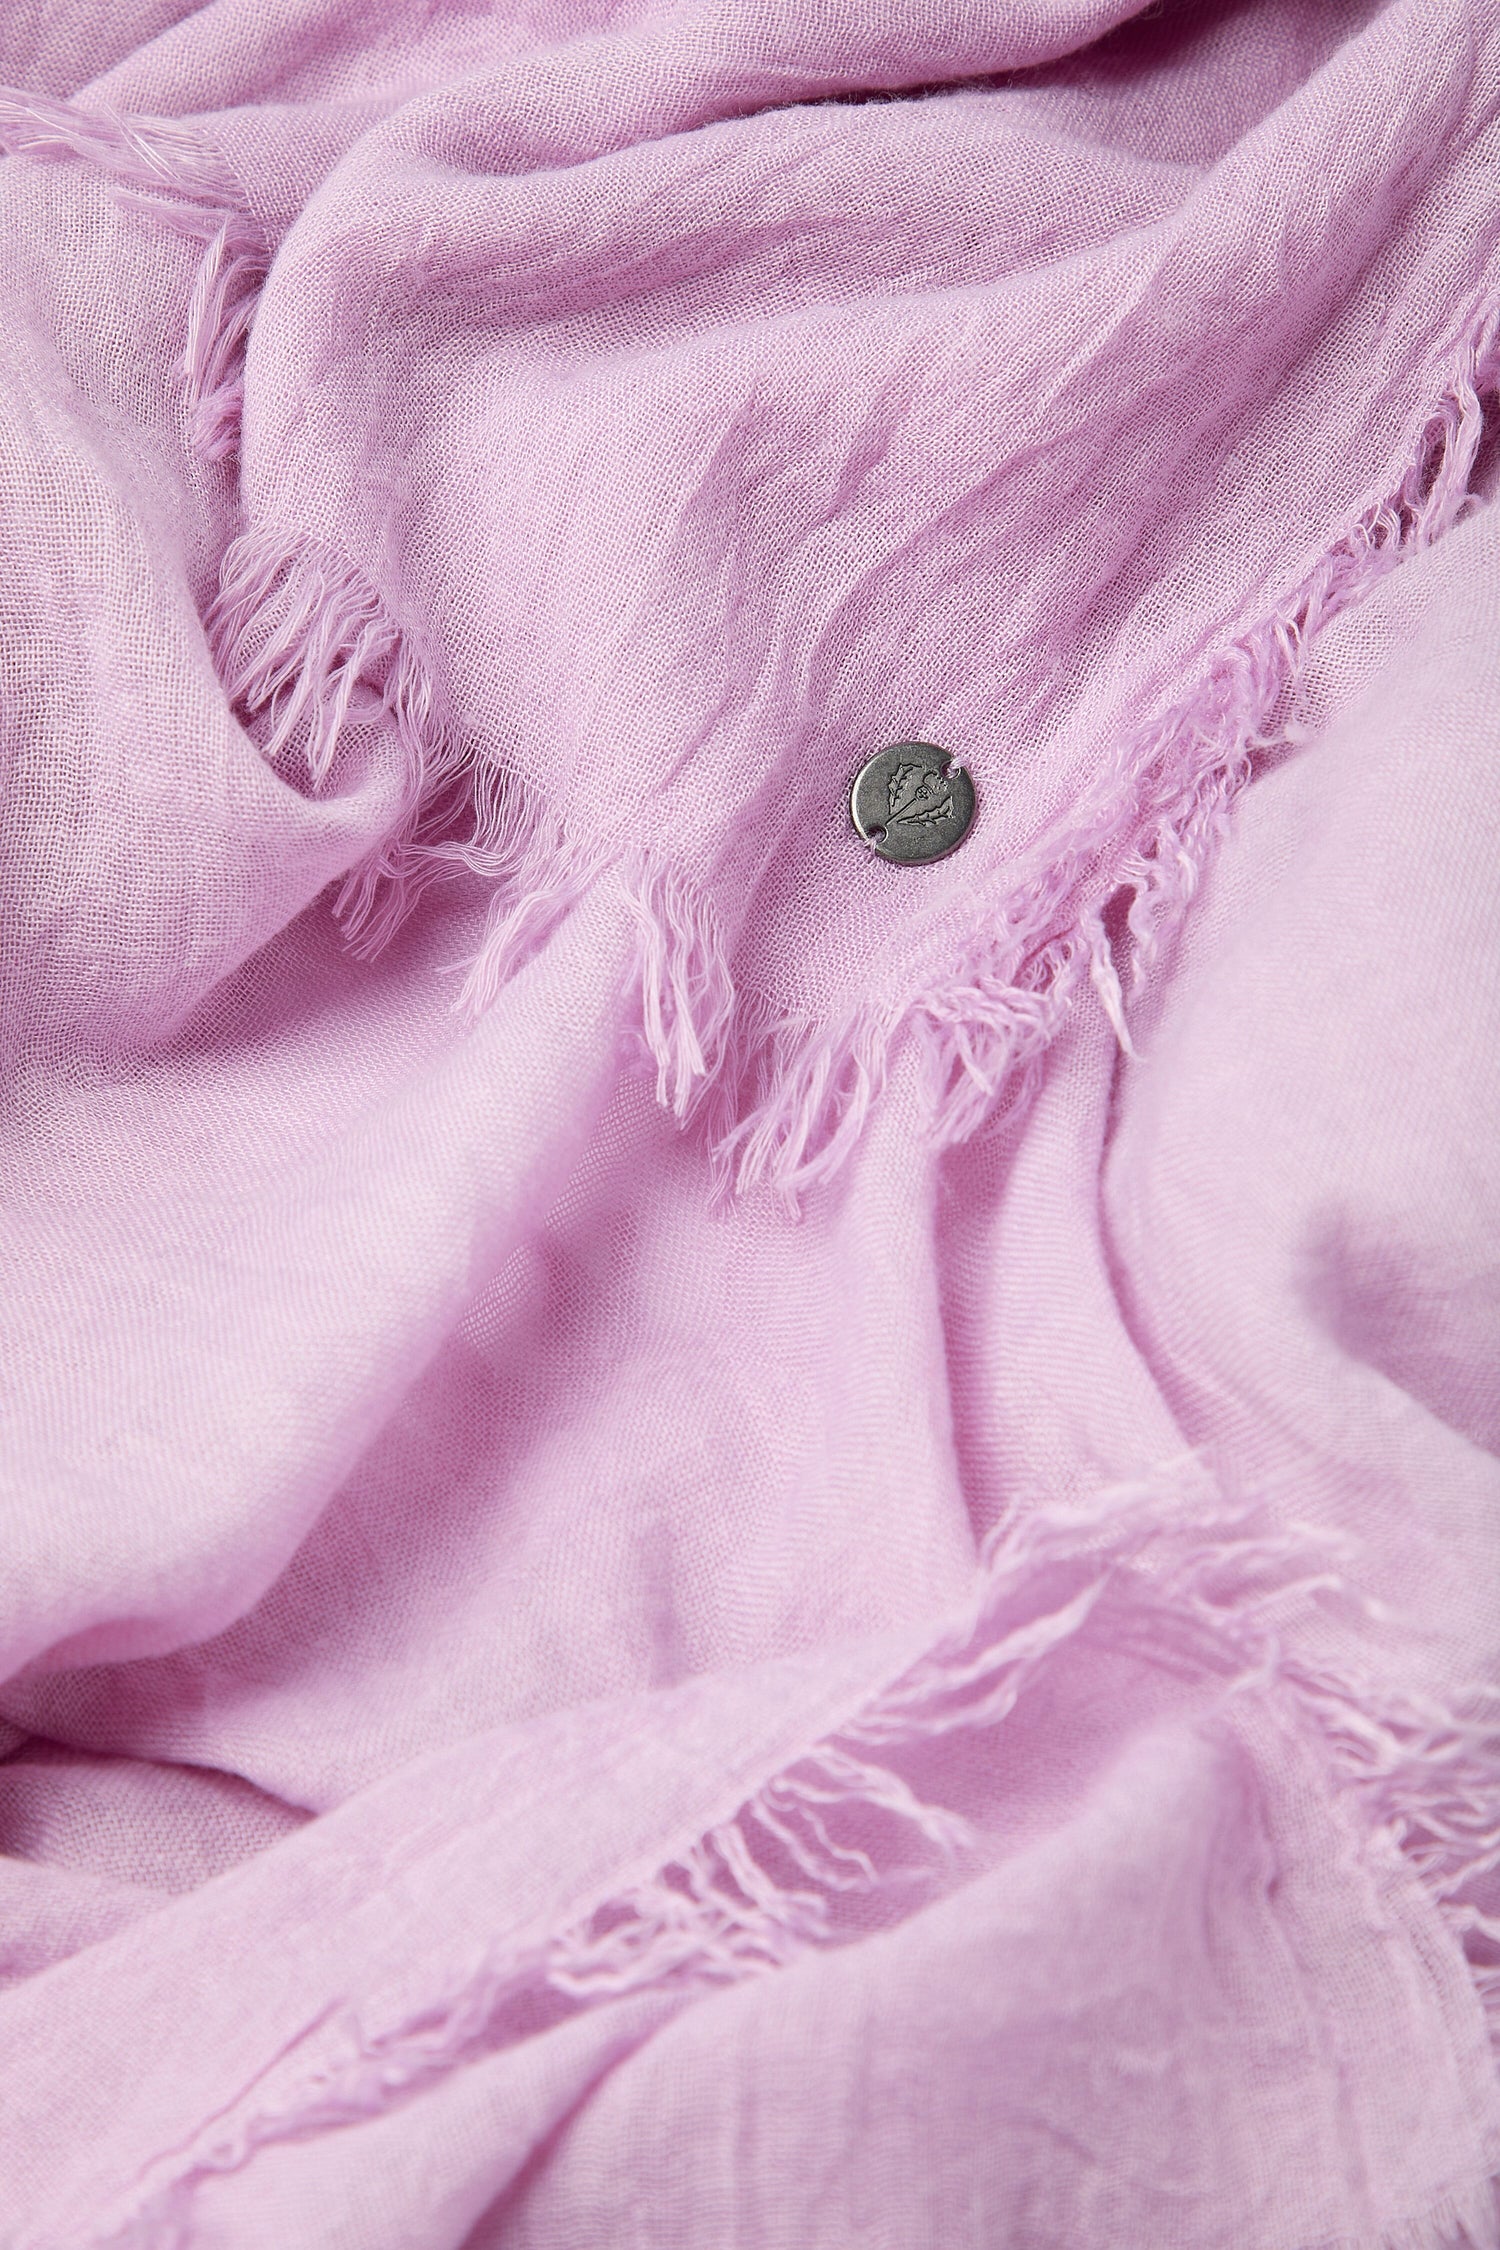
x: 706, y: 1544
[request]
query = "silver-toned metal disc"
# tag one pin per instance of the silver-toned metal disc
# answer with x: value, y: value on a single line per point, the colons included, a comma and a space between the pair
x: 912, y: 803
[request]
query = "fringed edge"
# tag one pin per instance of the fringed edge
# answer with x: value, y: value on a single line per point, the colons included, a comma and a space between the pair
x: 223, y: 305
x: 1203, y: 1592
x: 795, y: 1095
x: 304, y: 648
x: 304, y: 644
x: 539, y: 874
x: 681, y: 967
x: 1150, y: 829
x: 1429, y: 1775
x: 181, y: 178
x: 687, y: 993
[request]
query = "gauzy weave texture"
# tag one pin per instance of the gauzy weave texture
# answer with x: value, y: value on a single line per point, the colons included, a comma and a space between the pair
x: 706, y: 1544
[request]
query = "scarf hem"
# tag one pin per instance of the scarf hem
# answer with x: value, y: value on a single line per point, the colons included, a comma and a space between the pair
x: 304, y: 643
x: 1150, y: 1572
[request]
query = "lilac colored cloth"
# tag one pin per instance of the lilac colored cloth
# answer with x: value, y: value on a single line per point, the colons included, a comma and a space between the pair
x: 707, y: 1545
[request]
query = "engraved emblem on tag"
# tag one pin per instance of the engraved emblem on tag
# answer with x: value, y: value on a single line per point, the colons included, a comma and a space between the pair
x: 912, y: 802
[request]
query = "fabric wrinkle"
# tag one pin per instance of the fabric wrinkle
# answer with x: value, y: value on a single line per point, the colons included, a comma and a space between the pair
x: 718, y: 1527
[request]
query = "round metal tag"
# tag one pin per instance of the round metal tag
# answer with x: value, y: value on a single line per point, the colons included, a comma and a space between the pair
x: 911, y: 803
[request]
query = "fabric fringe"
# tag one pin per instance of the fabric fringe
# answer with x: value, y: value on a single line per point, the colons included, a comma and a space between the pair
x: 540, y: 874
x: 302, y: 644
x: 687, y: 994
x: 795, y: 1096
x: 1430, y: 1776
x: 306, y: 647
x: 180, y: 178
x: 1149, y: 830
x: 1200, y: 1590
x: 220, y: 311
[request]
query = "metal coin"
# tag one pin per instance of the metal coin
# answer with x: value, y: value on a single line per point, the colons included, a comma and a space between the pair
x: 912, y: 803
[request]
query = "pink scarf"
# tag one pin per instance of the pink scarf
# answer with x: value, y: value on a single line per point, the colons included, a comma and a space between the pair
x: 708, y: 1543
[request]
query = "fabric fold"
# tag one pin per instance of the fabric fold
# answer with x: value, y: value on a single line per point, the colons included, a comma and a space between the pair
x: 704, y: 1541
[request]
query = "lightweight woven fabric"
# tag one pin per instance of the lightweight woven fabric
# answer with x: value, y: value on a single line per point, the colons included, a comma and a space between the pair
x: 706, y: 1544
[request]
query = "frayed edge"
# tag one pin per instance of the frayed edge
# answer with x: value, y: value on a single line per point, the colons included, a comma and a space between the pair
x: 150, y: 153
x: 1151, y: 830
x: 304, y: 648
x: 300, y: 642
x: 687, y: 994
x: 754, y: 1890
x: 541, y: 876
x: 223, y: 305
x: 179, y: 177
x: 1428, y: 1774
x: 811, y: 1087
x: 1146, y: 1571
x: 681, y: 966
x: 305, y: 644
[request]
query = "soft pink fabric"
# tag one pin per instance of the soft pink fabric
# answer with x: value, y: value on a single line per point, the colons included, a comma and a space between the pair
x: 707, y: 1545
